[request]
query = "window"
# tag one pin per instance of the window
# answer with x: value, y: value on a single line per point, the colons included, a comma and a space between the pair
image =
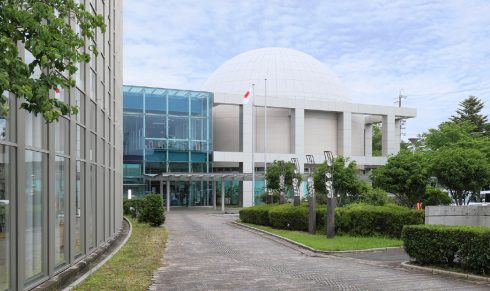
x: 35, y: 134
x: 34, y: 213
x: 79, y: 190
x: 7, y: 119
x: 6, y: 168
x: 61, y: 189
x: 178, y: 105
x: 62, y: 136
x: 80, y: 142
x: 178, y: 127
x: 156, y: 126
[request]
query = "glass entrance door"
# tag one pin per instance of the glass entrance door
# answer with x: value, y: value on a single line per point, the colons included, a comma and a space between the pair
x: 179, y: 194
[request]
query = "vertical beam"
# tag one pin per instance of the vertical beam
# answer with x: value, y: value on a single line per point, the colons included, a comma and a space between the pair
x: 368, y: 140
x: 223, y: 195
x: 161, y: 192
x: 398, y: 135
x: 388, y: 131
x: 298, y: 135
x: 344, y: 133
x: 214, y: 194
x: 168, y: 195
x: 246, y: 128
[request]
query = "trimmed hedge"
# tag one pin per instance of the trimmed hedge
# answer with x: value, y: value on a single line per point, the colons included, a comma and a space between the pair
x: 258, y: 214
x: 356, y: 219
x: 463, y: 246
x: 370, y: 220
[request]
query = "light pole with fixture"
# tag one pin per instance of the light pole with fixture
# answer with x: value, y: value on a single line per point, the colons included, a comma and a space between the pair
x: 331, y: 199
x: 311, y: 196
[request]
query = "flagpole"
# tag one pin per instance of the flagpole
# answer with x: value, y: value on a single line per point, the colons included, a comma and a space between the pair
x: 265, y: 133
x: 253, y: 145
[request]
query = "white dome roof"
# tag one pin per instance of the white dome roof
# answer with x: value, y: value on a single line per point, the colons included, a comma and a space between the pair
x: 289, y: 73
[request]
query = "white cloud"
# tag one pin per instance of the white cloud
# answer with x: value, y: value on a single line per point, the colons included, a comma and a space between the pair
x: 437, y: 51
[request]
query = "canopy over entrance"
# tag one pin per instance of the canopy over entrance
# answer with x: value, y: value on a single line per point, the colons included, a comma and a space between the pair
x: 199, y: 177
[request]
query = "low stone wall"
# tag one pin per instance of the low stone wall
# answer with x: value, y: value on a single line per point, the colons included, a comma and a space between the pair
x: 458, y: 215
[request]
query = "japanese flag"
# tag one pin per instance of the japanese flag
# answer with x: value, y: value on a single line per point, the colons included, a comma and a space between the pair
x: 57, y: 92
x: 247, y: 96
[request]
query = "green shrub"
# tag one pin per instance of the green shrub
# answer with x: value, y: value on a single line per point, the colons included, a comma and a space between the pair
x: 132, y: 207
x: 434, y: 197
x: 374, y: 196
x: 276, y: 196
x: 288, y: 216
x: 258, y: 214
x: 463, y: 246
x: 151, y: 210
x: 370, y: 220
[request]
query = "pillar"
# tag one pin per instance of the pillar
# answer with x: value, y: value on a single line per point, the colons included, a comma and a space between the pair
x: 344, y: 133
x: 168, y: 195
x: 398, y: 135
x: 223, y: 195
x: 368, y: 140
x: 388, y: 132
x: 214, y: 194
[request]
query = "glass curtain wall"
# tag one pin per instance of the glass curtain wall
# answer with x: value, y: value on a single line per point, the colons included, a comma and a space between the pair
x: 167, y: 130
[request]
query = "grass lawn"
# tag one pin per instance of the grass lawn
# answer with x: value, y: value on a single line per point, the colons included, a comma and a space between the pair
x: 132, y: 267
x: 338, y: 243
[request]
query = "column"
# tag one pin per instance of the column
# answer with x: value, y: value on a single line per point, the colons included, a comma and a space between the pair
x: 161, y: 192
x: 298, y: 141
x: 368, y: 140
x: 344, y: 133
x: 214, y: 194
x: 398, y: 135
x: 388, y: 132
x: 168, y: 195
x: 222, y: 195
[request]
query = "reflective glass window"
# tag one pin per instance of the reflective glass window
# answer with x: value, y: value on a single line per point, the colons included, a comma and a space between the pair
x: 132, y: 170
x: 80, y: 102
x: 61, y: 190
x: 133, y: 101
x: 155, y: 154
x: 80, y: 146
x: 6, y: 170
x: 178, y: 145
x: 178, y: 167
x: 178, y: 156
x: 91, y: 206
x: 92, y: 122
x: 198, y: 106
x: 155, y: 103
x: 198, y: 129
x: 155, y: 167
x: 198, y: 157
x: 156, y: 126
x: 62, y: 136
x: 34, y: 208
x: 178, y: 105
x: 93, y: 147
x: 35, y: 131
x: 79, y: 190
x: 133, y: 135
x: 198, y: 167
x: 178, y: 127
x: 7, y: 120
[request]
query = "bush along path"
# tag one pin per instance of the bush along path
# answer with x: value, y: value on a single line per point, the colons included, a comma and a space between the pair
x: 354, y: 219
x: 463, y: 248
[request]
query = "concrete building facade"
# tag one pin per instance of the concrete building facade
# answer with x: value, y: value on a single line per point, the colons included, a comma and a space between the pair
x: 61, y: 183
x: 308, y: 113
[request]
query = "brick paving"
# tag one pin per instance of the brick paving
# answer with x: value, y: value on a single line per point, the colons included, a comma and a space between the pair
x: 205, y: 252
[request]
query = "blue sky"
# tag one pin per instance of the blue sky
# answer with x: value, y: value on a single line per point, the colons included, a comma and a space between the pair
x: 438, y: 52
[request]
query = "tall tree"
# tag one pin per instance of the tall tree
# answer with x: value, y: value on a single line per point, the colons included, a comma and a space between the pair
x: 406, y: 175
x: 346, y: 182
x: 274, y: 171
x: 470, y: 110
x: 462, y: 171
x: 46, y: 30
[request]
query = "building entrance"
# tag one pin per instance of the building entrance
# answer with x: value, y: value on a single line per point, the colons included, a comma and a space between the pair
x: 187, y: 194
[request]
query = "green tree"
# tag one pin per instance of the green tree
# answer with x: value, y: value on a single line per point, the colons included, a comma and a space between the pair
x: 470, y: 111
x: 43, y: 29
x: 274, y: 171
x: 406, y: 175
x: 463, y: 172
x: 346, y: 183
x: 377, y: 140
x: 434, y: 197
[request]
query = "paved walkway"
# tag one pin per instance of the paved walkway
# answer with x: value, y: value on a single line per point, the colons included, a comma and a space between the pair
x: 205, y: 252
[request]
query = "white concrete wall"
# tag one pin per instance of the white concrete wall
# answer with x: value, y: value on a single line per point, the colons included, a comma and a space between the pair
x: 226, y: 128
x: 278, y: 130
x: 357, y: 138
x: 320, y: 132
x: 458, y: 215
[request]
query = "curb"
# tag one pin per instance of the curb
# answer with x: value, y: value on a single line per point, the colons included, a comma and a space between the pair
x: 312, y: 249
x: 101, y: 263
x: 435, y: 271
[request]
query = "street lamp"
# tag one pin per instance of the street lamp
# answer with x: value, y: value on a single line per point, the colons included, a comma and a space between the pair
x: 282, y: 182
x: 297, y: 199
x: 331, y: 199
x: 311, y: 195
